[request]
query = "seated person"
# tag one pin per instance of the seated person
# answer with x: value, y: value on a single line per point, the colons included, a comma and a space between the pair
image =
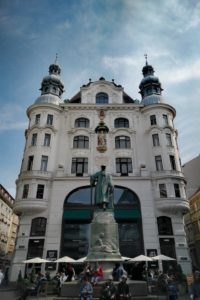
x: 86, y: 290
x: 97, y: 274
x: 108, y: 291
x: 123, y: 289
x: 118, y: 272
x: 41, y: 281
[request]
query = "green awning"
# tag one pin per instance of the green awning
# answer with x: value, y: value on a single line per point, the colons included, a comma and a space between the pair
x: 77, y: 214
x: 126, y: 214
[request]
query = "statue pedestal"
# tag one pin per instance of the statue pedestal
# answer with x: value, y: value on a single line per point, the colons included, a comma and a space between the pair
x: 104, y: 241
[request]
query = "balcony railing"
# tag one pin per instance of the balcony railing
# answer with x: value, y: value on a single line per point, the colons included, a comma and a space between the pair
x: 35, y: 173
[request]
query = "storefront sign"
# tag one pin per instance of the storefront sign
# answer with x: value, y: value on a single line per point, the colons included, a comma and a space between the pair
x: 52, y: 255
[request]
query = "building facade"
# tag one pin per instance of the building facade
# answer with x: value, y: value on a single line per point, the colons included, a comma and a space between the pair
x: 8, y: 225
x: 69, y: 140
x: 192, y: 228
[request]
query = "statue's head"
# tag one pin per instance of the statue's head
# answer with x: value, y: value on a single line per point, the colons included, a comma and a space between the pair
x: 103, y: 168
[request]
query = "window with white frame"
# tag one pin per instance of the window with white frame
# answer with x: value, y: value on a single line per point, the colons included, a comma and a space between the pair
x: 159, y: 164
x: 81, y: 141
x: 124, y: 166
x: 37, y: 119
x: 34, y: 139
x: 165, y: 120
x: 79, y: 166
x: 25, y: 191
x: 177, y: 190
x: 49, y: 119
x: 122, y: 142
x: 153, y: 120
x: 169, y: 139
x: 44, y: 162
x: 155, y: 138
x: 47, y: 139
x: 163, y: 190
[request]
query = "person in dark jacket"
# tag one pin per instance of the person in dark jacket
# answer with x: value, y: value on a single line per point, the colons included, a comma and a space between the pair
x: 195, y: 287
x: 123, y: 289
x: 108, y: 291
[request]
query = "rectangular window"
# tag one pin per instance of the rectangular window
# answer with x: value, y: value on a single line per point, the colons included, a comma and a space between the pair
x: 40, y: 191
x: 50, y: 119
x: 159, y: 165
x: 155, y: 138
x: 153, y: 120
x: 25, y: 191
x: 177, y: 190
x: 34, y: 139
x: 37, y: 119
x: 169, y: 139
x: 163, y: 190
x: 30, y: 163
x: 172, y: 161
x: 79, y: 166
x: 165, y: 120
x: 124, y: 166
x: 47, y: 139
x: 44, y: 162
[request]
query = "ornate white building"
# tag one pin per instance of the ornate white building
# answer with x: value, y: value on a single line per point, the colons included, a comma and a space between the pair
x: 67, y: 141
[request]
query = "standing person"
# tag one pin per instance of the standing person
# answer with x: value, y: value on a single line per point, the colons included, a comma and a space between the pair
x: 1, y: 276
x: 195, y: 287
x: 108, y: 291
x: 103, y: 187
x: 123, y: 289
x: 118, y: 272
x: 87, y: 272
x: 172, y: 289
x: 70, y: 272
x: 86, y: 290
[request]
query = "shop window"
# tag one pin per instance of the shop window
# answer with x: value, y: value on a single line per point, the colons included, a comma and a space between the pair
x: 38, y: 227
x: 164, y: 226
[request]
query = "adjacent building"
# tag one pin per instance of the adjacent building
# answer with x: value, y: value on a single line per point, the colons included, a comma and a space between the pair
x: 8, y: 225
x: 67, y: 141
x: 192, y: 219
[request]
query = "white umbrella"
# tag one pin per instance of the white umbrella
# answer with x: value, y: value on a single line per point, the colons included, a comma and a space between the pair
x: 82, y: 259
x: 65, y: 259
x: 141, y: 258
x: 162, y: 257
x: 126, y: 258
x: 35, y: 260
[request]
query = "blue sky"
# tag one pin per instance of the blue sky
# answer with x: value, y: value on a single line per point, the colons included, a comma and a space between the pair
x: 95, y: 38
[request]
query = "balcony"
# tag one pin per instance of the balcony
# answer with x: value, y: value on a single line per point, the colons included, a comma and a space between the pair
x: 167, y: 173
x: 172, y: 205
x: 35, y: 174
x: 30, y: 205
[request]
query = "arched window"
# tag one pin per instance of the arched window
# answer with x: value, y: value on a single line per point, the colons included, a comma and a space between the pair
x: 81, y: 141
x: 121, y: 123
x: 38, y: 227
x: 101, y: 98
x: 82, y: 123
x: 78, y: 214
x: 122, y: 142
x: 164, y: 226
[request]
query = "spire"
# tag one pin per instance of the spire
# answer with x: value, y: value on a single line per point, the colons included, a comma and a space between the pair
x: 52, y: 87
x: 150, y: 86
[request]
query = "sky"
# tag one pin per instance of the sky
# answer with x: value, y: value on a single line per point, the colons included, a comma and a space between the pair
x: 95, y: 38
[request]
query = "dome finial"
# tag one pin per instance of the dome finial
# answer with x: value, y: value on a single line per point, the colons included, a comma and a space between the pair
x: 56, y: 60
x: 145, y: 55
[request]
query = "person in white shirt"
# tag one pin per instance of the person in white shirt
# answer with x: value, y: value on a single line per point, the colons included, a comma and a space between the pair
x: 1, y: 276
